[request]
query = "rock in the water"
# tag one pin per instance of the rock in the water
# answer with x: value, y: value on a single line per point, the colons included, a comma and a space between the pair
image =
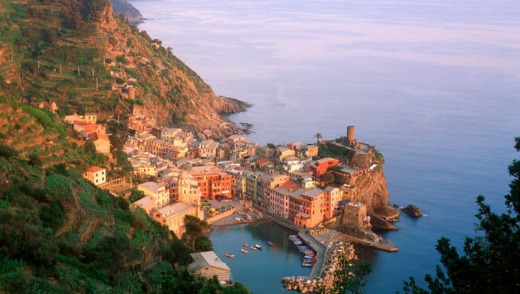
x: 412, y: 210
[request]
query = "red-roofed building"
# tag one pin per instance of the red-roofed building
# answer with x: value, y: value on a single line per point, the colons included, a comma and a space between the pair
x: 320, y: 167
x: 96, y: 175
x: 84, y: 128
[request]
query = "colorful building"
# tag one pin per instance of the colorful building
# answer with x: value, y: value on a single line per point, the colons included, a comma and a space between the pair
x: 213, y: 181
x: 96, y: 175
x: 321, y: 166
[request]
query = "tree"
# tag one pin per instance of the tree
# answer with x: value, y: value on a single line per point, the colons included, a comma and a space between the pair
x: 490, y: 262
x: 328, y: 179
x: 195, y: 235
x: 318, y: 137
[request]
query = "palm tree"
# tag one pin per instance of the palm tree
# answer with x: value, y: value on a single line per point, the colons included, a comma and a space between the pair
x: 318, y: 136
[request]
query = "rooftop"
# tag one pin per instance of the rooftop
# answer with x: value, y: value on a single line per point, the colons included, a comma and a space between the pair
x: 312, y: 192
x: 344, y: 169
x: 207, y: 258
x: 94, y: 169
x: 172, y: 209
x: 150, y: 186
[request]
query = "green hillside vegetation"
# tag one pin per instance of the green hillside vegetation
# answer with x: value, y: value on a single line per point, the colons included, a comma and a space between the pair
x: 61, y: 234
x: 78, y: 55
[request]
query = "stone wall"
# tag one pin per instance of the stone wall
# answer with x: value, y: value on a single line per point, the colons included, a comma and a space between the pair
x: 221, y: 215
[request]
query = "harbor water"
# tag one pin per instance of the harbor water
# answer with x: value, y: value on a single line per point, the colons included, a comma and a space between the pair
x: 260, y: 270
x: 434, y: 85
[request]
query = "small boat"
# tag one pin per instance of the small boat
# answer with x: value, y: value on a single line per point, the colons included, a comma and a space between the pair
x: 243, y: 250
x: 245, y: 244
x: 306, y: 264
x: 258, y: 247
x: 269, y: 243
x: 230, y: 255
x: 252, y: 248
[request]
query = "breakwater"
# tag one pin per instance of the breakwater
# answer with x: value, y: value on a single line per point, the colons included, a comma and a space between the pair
x: 331, y: 263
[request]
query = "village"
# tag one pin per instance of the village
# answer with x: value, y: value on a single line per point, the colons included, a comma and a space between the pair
x: 235, y: 180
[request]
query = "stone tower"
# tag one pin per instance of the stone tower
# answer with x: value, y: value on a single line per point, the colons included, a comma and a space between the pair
x: 183, y: 188
x: 350, y: 136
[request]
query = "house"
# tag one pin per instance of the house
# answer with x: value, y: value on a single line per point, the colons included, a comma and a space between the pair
x: 96, y: 175
x: 213, y: 181
x: 311, y: 151
x: 170, y: 133
x: 266, y: 151
x: 172, y: 215
x: 158, y: 192
x: 208, y: 265
x: 101, y: 141
x: 147, y: 203
x: 333, y: 197
x: 321, y: 166
x: 90, y: 117
x: 284, y: 152
x: 208, y: 149
x: 84, y: 128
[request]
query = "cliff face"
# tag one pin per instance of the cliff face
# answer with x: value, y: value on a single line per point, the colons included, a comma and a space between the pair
x: 82, y: 57
x: 371, y: 189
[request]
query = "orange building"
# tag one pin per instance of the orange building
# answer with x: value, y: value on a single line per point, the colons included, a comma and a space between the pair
x: 212, y: 181
x: 320, y: 167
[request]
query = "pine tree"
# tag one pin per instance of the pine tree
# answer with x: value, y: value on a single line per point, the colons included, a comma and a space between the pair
x: 490, y: 262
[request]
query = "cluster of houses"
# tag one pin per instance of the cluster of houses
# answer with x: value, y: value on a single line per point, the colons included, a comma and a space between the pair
x: 86, y: 125
x: 284, y: 180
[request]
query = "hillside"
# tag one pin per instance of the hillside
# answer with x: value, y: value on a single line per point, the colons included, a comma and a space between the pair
x: 58, y: 232
x: 81, y: 57
x: 61, y: 234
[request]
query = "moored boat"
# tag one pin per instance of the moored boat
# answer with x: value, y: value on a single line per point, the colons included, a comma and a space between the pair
x: 252, y: 248
x: 245, y: 244
x: 269, y: 243
x: 306, y: 264
x: 230, y: 255
x: 258, y: 247
x: 243, y: 250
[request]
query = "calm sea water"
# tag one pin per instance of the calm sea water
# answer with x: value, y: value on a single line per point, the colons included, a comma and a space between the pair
x: 435, y: 85
x: 263, y: 270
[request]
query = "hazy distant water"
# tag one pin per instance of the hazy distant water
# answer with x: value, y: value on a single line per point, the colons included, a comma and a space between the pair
x: 435, y: 85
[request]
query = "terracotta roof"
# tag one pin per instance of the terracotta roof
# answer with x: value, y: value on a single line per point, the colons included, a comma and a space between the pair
x: 103, y: 137
x: 263, y: 161
x: 94, y: 169
x: 290, y: 185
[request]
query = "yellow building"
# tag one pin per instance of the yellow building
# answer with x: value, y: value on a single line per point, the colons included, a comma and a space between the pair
x: 158, y: 192
x: 96, y: 175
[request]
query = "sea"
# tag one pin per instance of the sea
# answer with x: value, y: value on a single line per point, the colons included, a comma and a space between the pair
x: 434, y: 85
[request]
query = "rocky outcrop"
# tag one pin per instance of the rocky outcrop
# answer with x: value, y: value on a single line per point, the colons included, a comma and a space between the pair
x: 224, y: 105
x: 132, y: 14
x: 371, y: 189
x: 412, y: 210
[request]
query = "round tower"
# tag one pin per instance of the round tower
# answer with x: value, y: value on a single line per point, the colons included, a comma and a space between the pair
x: 350, y: 134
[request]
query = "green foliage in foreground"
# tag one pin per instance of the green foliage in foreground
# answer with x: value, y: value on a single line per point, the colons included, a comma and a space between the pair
x: 61, y: 234
x: 490, y: 262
